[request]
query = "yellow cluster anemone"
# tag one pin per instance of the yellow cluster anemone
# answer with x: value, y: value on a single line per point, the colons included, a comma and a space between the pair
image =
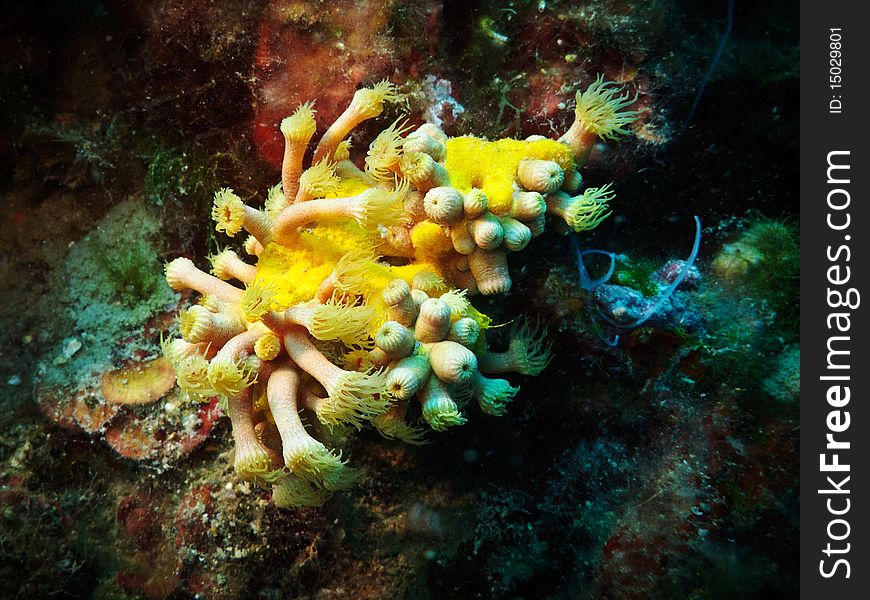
x: 385, y: 151
x: 355, y: 305
x: 300, y: 126
x: 601, y: 109
x: 231, y: 377
x: 318, y: 181
x: 228, y: 212
x: 601, y: 113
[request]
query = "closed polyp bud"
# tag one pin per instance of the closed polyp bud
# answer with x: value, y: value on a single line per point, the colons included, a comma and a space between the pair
x: 526, y: 206
x: 486, y: 231
x: 475, y: 203
x: 540, y: 175
x: 443, y: 205
x: 419, y: 141
x: 433, y: 322
x: 464, y: 331
x: 395, y: 339
x: 516, y: 235
x: 433, y: 131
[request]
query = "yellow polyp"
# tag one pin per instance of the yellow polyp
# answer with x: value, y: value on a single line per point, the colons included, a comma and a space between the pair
x: 312, y: 461
x: 231, y: 378
x: 358, y: 272
x: 590, y: 209
x: 380, y: 208
x: 292, y: 492
x: 260, y: 403
x: 342, y: 151
x: 192, y: 375
x: 320, y: 180
x: 416, y: 166
x: 267, y: 347
x: 228, y: 212
x: 300, y: 126
x: 353, y: 399
x: 254, y: 465
x: 357, y: 360
x: 458, y: 303
x: 492, y: 166
x: 187, y: 323
x: 275, y: 201
x: 349, y: 324
x: 258, y: 299
x: 393, y: 427
x: 369, y: 102
x: 442, y: 415
x: 430, y: 282
x: 493, y: 395
x: 601, y: 109
x: 530, y: 348
x: 386, y: 150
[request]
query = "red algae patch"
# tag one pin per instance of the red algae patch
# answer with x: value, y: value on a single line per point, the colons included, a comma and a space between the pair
x: 161, y: 436
x: 161, y: 432
x: 74, y: 409
x: 139, y: 382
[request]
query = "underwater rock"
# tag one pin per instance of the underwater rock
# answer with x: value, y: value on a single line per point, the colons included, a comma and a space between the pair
x: 424, y: 521
x: 149, y: 568
x: 672, y: 269
x: 107, y: 381
x: 68, y: 349
x: 624, y: 306
x: 767, y: 251
x: 39, y: 554
x: 136, y: 514
x: 345, y: 43
x: 74, y: 409
x: 150, y: 433
x: 161, y: 436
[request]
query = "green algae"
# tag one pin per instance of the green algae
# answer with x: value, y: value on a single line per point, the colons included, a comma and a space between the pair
x: 752, y: 307
x: 111, y: 284
x: 175, y: 176
x: 114, y: 273
x: 637, y: 273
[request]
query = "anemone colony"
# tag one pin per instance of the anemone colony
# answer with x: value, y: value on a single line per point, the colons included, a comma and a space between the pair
x: 357, y: 303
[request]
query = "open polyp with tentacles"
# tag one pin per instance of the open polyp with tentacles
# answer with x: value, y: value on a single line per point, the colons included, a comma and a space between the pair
x: 356, y: 308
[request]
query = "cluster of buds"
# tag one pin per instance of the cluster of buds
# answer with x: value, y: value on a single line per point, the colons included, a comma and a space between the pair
x: 435, y: 351
x: 322, y: 334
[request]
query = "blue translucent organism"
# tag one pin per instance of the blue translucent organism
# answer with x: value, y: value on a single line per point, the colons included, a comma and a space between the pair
x: 643, y: 310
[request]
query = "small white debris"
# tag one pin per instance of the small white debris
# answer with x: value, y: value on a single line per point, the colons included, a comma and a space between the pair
x: 439, y: 97
x: 70, y: 346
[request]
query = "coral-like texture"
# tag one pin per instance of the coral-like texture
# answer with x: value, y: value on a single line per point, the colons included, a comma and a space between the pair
x: 358, y: 302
